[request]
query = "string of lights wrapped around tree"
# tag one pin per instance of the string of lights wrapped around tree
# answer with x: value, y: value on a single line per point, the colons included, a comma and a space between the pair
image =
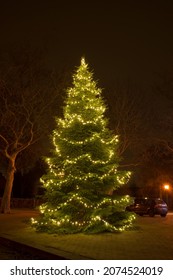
x: 83, y: 167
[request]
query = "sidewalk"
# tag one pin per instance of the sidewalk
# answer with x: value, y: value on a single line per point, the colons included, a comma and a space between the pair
x: 153, y: 240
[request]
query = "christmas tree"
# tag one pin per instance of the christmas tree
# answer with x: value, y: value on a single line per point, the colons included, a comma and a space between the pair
x: 83, y: 167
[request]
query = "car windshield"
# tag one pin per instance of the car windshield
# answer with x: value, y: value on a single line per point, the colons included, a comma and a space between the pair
x: 139, y: 201
x: 149, y: 201
x: 159, y: 201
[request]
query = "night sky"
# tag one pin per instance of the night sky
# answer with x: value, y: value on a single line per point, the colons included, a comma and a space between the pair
x: 119, y: 39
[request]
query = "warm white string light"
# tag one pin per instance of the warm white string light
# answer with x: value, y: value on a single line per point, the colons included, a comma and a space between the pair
x: 84, y: 114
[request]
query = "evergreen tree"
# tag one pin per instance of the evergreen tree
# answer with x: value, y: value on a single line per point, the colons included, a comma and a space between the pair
x: 83, y: 167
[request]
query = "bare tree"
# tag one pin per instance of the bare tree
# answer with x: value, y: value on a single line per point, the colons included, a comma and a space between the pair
x: 129, y: 114
x: 162, y: 89
x: 157, y: 157
x: 27, y: 104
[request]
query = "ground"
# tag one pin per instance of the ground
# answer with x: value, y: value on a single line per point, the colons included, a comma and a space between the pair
x: 152, y: 239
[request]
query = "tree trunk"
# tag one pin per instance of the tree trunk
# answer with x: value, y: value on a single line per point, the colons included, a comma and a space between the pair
x: 6, y: 199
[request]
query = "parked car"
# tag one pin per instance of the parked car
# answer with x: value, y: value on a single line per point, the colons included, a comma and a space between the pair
x: 148, y: 206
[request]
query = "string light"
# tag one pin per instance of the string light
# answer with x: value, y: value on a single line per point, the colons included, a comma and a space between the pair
x: 83, y: 166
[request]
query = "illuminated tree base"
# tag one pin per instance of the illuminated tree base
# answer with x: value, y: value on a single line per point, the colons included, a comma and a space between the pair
x: 95, y: 225
x: 105, y: 216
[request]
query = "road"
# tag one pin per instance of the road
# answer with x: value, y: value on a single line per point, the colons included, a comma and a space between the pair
x: 10, y: 254
x: 11, y: 250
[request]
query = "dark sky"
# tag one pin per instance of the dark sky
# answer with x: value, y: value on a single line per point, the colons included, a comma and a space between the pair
x: 120, y: 39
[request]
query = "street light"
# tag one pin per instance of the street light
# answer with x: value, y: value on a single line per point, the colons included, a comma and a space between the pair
x: 166, y: 187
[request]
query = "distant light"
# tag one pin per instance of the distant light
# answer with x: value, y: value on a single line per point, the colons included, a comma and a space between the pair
x: 166, y: 187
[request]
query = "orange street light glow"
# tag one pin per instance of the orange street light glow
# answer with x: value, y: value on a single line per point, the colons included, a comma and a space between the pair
x: 166, y: 187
